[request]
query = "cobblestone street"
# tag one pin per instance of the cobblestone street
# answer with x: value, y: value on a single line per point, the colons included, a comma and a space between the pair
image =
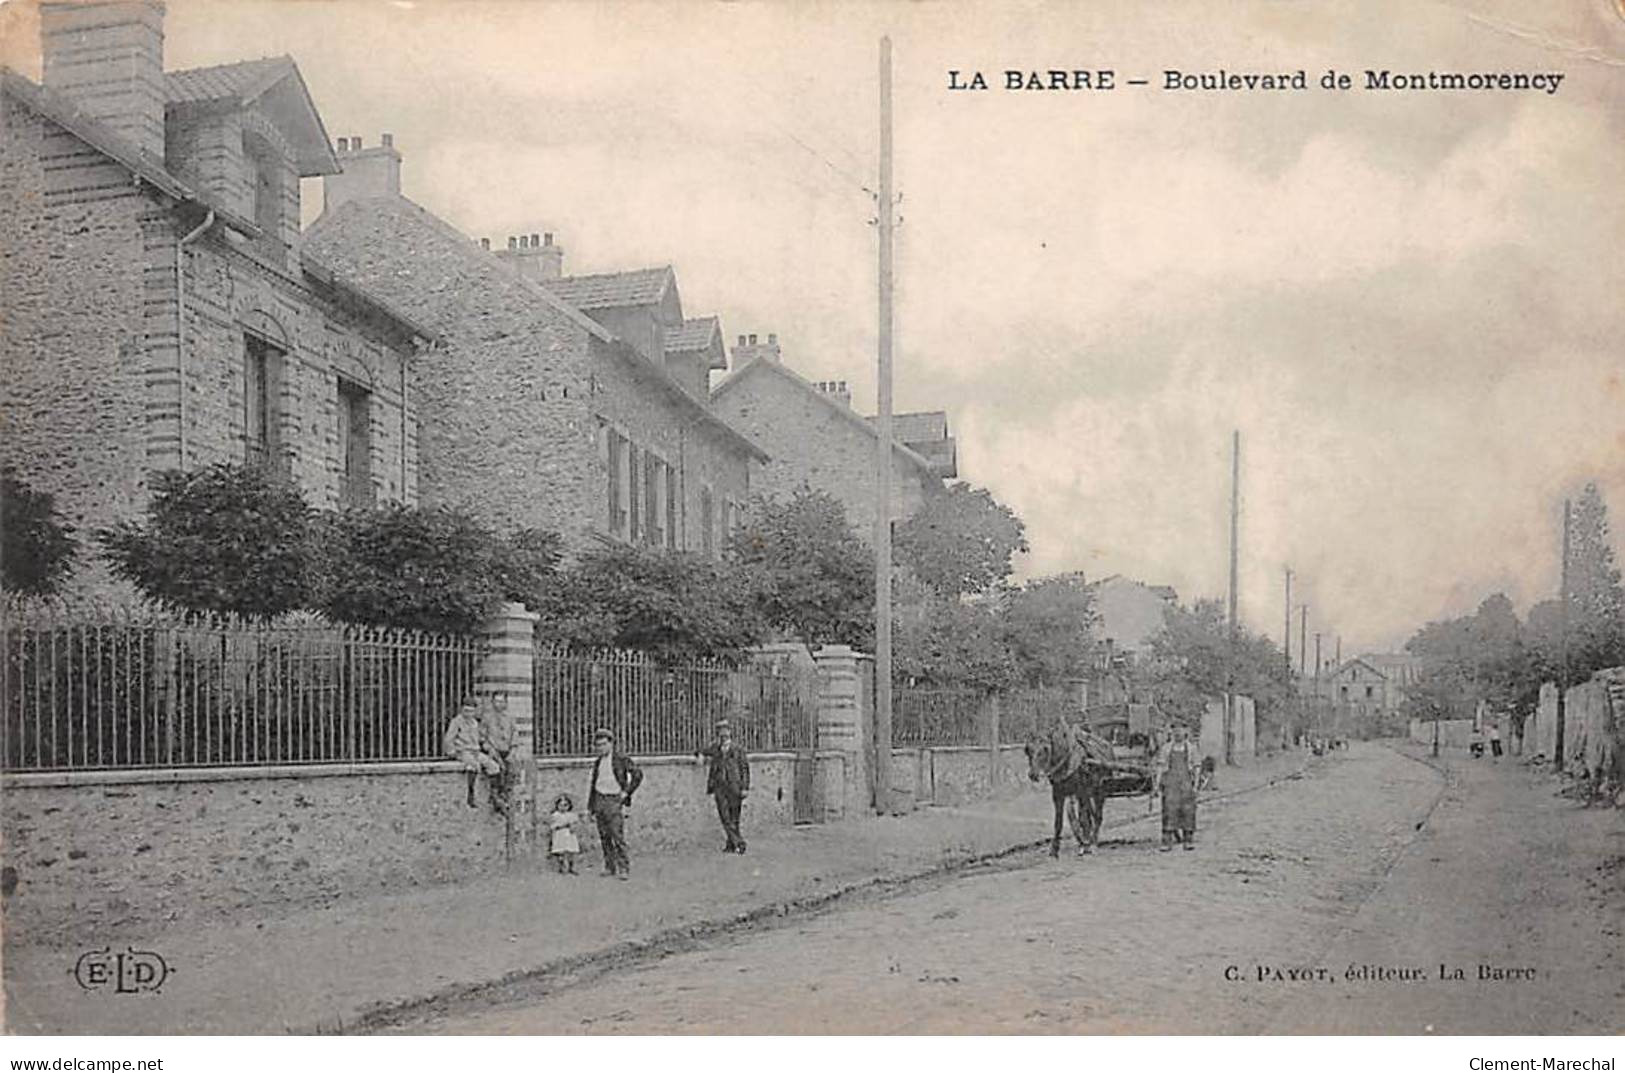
x: 1371, y: 859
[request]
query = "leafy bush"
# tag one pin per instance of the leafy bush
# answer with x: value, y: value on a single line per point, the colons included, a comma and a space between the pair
x: 38, y: 551
x: 675, y: 606
x: 227, y: 539
x: 430, y: 569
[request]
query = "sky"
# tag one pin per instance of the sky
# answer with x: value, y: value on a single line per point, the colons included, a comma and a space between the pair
x: 1406, y: 302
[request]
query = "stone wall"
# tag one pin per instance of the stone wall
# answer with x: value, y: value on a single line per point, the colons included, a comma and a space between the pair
x: 810, y: 444
x: 957, y: 774
x: 72, y: 389
x: 108, y: 857
x: 1244, y: 737
x: 1453, y: 733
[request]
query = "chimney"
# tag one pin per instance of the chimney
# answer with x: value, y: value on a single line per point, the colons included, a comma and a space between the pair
x: 836, y: 390
x: 534, y: 256
x: 368, y: 172
x: 108, y: 58
x: 748, y: 349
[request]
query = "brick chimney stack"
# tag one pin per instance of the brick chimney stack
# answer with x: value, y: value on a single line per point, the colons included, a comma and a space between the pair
x: 837, y: 390
x: 108, y: 58
x: 369, y: 172
x: 748, y: 350
x: 534, y: 256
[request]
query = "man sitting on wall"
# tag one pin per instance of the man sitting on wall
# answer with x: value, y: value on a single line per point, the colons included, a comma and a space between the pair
x: 496, y: 738
x: 464, y: 742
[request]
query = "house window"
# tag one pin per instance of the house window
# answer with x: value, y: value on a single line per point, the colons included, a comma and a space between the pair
x: 618, y: 451
x: 1343, y: 691
x: 261, y: 362
x: 634, y: 488
x: 1369, y: 691
x: 708, y: 523
x: 355, y: 445
x: 672, y: 540
x: 654, y: 515
x: 264, y: 167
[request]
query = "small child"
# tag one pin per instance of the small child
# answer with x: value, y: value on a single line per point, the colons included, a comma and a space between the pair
x: 564, y: 846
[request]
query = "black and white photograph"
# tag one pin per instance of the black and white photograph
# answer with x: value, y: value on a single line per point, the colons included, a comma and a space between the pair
x: 824, y: 519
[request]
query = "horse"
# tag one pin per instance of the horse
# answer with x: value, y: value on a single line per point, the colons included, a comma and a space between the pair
x: 1075, y: 779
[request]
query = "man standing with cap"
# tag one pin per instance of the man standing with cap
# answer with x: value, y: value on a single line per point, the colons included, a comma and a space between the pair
x: 728, y: 780
x: 615, y: 778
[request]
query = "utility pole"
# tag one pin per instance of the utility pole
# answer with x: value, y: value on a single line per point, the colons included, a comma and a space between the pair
x: 1235, y: 512
x: 1563, y: 676
x: 1303, y: 640
x: 1286, y: 634
x: 1317, y: 685
x: 883, y: 455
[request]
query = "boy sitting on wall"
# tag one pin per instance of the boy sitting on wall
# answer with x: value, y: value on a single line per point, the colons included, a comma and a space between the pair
x: 463, y: 742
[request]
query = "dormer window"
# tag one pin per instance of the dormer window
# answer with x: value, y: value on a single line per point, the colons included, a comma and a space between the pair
x: 266, y: 190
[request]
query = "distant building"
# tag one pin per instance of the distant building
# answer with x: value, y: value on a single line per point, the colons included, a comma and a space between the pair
x: 159, y: 312
x: 1129, y: 614
x: 559, y: 402
x: 1367, y: 691
x: 816, y: 439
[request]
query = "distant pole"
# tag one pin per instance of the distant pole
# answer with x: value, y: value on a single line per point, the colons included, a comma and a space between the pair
x: 1303, y: 640
x: 1563, y: 675
x: 1286, y: 633
x: 1317, y: 684
x: 1235, y: 514
x: 1338, y: 660
x: 883, y: 454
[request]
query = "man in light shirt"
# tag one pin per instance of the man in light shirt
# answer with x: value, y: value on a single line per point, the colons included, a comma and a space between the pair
x: 615, y: 778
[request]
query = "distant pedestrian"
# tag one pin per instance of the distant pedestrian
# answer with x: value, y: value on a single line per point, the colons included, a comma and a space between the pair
x: 497, y: 736
x: 728, y: 780
x: 615, y: 778
x: 1495, y: 741
x: 464, y: 742
x: 1175, y: 774
x: 563, y: 845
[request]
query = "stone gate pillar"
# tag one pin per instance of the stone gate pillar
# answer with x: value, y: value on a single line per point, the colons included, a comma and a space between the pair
x: 508, y: 669
x: 841, y: 721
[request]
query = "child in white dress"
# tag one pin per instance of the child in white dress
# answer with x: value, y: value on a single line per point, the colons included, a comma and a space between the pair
x: 564, y: 845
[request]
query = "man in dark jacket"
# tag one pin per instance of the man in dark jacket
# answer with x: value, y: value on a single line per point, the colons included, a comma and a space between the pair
x: 615, y: 778
x: 728, y: 780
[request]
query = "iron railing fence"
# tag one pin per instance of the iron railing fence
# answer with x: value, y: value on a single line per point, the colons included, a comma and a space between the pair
x: 948, y: 716
x: 1031, y: 710
x: 939, y: 716
x: 664, y: 710
x: 143, y: 690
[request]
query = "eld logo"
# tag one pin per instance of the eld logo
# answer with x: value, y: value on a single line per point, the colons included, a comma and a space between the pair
x: 129, y: 973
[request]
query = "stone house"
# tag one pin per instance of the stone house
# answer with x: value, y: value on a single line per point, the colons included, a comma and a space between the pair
x: 1130, y: 613
x: 816, y: 440
x: 159, y: 312
x: 568, y: 403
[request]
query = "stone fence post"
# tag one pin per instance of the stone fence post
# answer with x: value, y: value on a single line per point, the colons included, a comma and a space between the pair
x: 840, y: 721
x: 509, y: 670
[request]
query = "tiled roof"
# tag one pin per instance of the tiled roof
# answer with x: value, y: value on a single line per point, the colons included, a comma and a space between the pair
x: 696, y: 334
x: 235, y: 81
x: 611, y: 290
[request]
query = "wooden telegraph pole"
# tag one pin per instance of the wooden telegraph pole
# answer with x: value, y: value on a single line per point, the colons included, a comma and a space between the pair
x: 883, y: 455
x: 1235, y: 511
x: 1286, y: 632
x: 1563, y: 675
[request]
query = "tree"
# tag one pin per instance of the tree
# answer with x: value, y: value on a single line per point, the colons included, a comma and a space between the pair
x: 1191, y: 662
x: 38, y: 549
x: 944, y: 641
x: 961, y: 541
x: 676, y: 606
x: 813, y: 577
x: 433, y: 569
x: 1048, y: 626
x: 227, y: 539
x: 1596, y: 602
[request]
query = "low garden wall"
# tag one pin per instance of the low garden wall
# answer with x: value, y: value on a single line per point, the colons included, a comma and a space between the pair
x: 954, y: 774
x: 105, y: 856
